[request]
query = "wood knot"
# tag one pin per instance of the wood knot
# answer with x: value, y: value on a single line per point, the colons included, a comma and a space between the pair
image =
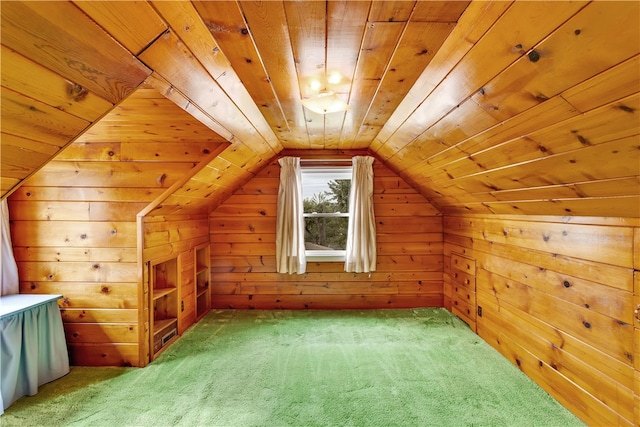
x: 626, y: 109
x: 76, y: 92
x: 583, y: 140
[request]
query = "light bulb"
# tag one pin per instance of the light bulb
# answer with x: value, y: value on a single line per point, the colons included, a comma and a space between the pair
x: 334, y: 78
x: 315, y: 85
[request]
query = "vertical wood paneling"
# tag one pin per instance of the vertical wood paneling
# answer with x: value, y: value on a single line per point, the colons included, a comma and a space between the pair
x: 563, y: 315
x: 409, y: 267
x: 269, y: 35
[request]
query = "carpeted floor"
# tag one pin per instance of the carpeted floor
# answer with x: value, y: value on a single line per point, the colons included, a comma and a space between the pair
x: 420, y: 367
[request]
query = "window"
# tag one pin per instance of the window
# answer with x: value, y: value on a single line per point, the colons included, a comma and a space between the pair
x: 325, y: 193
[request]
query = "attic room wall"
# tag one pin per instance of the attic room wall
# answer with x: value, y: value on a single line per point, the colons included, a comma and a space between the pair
x: 174, y: 237
x: 73, y: 226
x: 409, y: 267
x: 73, y: 223
x: 557, y: 301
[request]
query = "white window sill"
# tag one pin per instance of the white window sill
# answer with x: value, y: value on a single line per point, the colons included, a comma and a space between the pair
x: 325, y: 256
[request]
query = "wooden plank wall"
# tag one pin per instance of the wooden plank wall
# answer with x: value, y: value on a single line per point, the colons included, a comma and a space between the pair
x: 173, y: 237
x: 73, y: 223
x: 557, y: 301
x: 409, y: 267
x: 636, y: 304
x: 77, y: 237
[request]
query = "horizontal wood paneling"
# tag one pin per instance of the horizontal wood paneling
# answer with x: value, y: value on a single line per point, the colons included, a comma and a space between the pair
x: 528, y: 125
x: 74, y: 223
x: 636, y: 322
x: 107, y: 354
x: 409, y: 263
x: 61, y: 73
x: 164, y: 238
x: 557, y: 300
x: 542, y: 127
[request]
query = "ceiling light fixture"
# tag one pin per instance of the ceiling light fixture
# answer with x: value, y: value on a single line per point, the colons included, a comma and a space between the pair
x: 325, y: 102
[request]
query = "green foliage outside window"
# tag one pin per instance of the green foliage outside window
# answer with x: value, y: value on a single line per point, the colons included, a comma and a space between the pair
x: 328, y: 232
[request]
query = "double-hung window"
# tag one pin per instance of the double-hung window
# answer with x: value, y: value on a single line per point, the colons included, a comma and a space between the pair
x: 325, y: 193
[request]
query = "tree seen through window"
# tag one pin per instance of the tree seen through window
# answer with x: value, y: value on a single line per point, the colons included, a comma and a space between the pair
x: 326, y: 217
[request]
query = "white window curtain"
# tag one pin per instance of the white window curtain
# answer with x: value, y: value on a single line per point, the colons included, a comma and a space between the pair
x: 290, y: 255
x: 9, y: 284
x: 360, y: 254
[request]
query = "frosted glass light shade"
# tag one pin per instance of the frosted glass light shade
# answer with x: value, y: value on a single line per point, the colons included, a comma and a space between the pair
x: 325, y: 102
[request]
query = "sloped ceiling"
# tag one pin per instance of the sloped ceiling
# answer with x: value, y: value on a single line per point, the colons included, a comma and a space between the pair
x: 485, y: 107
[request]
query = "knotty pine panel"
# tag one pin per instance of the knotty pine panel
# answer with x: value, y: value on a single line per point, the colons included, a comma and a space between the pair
x: 409, y: 262
x: 110, y: 354
x: 74, y: 223
x: 133, y: 24
x: 327, y: 302
x: 270, y: 36
x: 186, y: 281
x: 111, y: 72
x: 560, y: 310
x: 79, y: 315
x: 167, y: 237
x: 37, y: 82
x: 473, y: 23
x: 467, y: 76
x: 86, y: 295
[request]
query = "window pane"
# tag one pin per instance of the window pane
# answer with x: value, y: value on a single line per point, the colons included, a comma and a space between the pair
x: 326, y: 191
x: 335, y: 199
x: 322, y: 233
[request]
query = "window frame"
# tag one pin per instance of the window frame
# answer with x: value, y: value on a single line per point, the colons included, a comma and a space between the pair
x: 326, y: 255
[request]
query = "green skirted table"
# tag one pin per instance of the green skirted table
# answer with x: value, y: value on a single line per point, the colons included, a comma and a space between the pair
x: 33, y: 350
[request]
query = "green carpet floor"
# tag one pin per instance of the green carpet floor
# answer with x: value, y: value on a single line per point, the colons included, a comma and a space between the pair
x: 419, y: 367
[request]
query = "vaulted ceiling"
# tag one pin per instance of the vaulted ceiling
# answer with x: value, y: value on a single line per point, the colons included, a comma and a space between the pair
x: 485, y: 107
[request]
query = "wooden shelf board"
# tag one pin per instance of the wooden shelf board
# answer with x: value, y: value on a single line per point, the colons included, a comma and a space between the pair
x: 160, y: 292
x: 159, y: 325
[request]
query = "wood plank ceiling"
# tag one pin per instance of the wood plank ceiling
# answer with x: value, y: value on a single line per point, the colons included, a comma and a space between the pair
x: 483, y: 106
